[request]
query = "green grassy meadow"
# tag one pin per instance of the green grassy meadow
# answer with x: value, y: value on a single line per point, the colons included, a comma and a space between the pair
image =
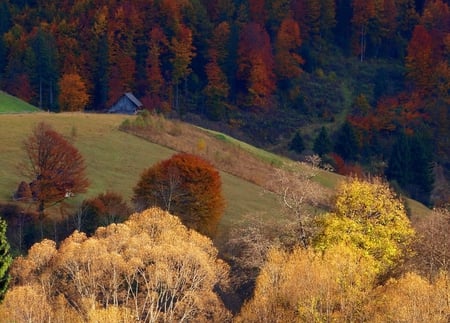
x: 114, y: 159
x: 11, y: 104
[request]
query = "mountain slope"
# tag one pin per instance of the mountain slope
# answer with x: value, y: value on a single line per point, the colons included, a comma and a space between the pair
x: 114, y: 159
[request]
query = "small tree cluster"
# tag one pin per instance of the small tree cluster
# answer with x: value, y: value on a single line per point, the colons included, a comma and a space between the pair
x: 102, y: 210
x: 187, y: 186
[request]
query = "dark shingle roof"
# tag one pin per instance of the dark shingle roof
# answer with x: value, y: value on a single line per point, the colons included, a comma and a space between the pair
x: 134, y: 99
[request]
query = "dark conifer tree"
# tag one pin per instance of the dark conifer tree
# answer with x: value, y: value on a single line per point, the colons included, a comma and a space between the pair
x: 322, y: 143
x: 297, y: 143
x: 346, y: 144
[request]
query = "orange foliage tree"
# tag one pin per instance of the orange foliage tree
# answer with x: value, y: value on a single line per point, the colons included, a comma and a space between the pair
x: 184, y: 185
x: 255, y: 64
x: 73, y: 95
x: 287, y: 43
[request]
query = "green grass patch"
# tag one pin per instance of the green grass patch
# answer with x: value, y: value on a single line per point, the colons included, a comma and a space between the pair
x: 11, y: 104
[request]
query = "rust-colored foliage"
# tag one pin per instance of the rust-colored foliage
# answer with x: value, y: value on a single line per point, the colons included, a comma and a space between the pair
x: 56, y: 168
x: 73, y: 93
x: 20, y: 86
x: 187, y: 186
x: 257, y: 11
x: 287, y: 44
x: 103, y: 210
x: 256, y: 64
x: 419, y: 61
x: 346, y: 169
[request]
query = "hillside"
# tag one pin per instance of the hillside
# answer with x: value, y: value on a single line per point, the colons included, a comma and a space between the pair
x: 114, y: 159
x: 11, y: 104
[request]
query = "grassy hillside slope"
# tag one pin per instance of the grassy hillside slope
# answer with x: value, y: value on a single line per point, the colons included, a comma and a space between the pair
x: 115, y: 159
x: 11, y: 104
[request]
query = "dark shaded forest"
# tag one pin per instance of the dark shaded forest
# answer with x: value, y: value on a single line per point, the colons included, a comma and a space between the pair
x: 362, y: 83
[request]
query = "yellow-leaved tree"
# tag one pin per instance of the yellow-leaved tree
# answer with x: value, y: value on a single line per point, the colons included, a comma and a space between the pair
x: 150, y: 268
x: 370, y: 217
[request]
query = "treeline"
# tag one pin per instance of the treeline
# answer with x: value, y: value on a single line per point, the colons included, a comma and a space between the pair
x: 381, y: 64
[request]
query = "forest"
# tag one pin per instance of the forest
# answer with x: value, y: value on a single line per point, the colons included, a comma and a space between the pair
x: 363, y: 83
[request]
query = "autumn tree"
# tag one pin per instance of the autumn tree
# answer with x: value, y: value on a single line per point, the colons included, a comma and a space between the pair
x: 102, y: 210
x: 5, y: 259
x: 370, y: 217
x: 412, y: 298
x: 157, y: 86
x: 304, y: 286
x: 432, y: 246
x: 217, y: 89
x: 150, y: 268
x: 255, y: 65
x: 73, y: 94
x: 55, y: 167
x: 288, y: 61
x: 420, y: 61
x: 184, y: 185
x: 183, y: 51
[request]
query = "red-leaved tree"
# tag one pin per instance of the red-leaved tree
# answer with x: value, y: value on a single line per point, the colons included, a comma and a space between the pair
x: 187, y: 186
x: 56, y: 168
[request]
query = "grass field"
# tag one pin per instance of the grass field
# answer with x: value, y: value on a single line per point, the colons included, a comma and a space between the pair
x: 114, y: 159
x: 11, y: 104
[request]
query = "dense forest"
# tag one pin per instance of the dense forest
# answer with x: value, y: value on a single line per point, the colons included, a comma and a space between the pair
x: 363, y: 83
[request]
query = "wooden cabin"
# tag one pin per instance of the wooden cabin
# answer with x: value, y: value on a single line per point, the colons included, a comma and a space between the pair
x: 127, y: 104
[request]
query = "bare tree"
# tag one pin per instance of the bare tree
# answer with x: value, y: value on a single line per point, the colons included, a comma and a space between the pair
x: 55, y: 167
x: 299, y: 195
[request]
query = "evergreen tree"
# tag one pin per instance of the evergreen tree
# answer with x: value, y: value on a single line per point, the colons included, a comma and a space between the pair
x: 322, y: 143
x: 399, y: 161
x: 297, y: 144
x: 410, y: 166
x: 346, y: 143
x: 5, y: 259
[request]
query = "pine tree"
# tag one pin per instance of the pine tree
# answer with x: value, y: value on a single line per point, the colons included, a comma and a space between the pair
x: 5, y: 259
x: 297, y: 144
x: 322, y: 144
x: 347, y: 143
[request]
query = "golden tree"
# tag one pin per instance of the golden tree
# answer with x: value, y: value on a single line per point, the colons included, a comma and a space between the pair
x: 73, y: 94
x: 305, y: 286
x: 151, y: 268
